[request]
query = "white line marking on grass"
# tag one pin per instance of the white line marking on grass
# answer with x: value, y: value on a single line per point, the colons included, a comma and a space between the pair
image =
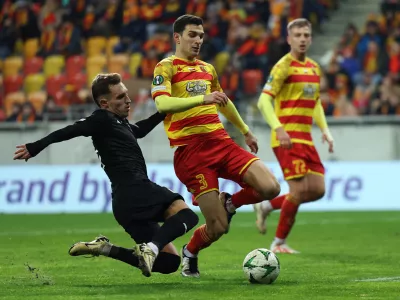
x: 387, y: 279
x: 58, y: 232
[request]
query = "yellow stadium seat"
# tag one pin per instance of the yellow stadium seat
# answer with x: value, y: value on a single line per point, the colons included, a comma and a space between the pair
x: 117, y: 63
x: 12, y: 66
x: 134, y: 63
x: 11, y: 98
x: 31, y: 48
x: 96, y: 45
x: 111, y: 42
x: 34, y: 83
x: 53, y: 65
x: 95, y: 65
x: 19, y: 47
x: 221, y: 60
x: 37, y: 99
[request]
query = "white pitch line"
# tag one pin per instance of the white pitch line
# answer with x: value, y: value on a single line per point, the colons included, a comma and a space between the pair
x: 61, y: 232
x: 380, y: 279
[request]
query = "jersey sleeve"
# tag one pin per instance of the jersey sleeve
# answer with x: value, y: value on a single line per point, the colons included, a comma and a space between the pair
x: 215, y: 86
x: 276, y: 79
x: 161, y: 84
x: 89, y: 126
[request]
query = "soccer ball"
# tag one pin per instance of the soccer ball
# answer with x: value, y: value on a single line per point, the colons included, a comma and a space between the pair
x: 261, y: 266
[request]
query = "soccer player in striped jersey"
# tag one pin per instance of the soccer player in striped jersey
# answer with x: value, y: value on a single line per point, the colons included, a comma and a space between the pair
x: 293, y: 86
x: 188, y: 91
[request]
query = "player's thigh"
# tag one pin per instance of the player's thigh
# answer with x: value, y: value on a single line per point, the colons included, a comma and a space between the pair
x: 142, y: 231
x: 315, y: 186
x: 262, y: 180
x: 175, y: 207
x: 214, y: 214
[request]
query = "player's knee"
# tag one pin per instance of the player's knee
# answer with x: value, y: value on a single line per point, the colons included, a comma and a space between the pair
x: 270, y: 189
x: 166, y: 263
x: 188, y: 218
x: 317, y: 193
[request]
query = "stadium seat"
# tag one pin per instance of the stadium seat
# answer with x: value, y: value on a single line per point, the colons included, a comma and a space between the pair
x: 75, y: 64
x: 34, y: 82
x: 95, y: 65
x: 111, y: 42
x: 53, y: 65
x: 31, y: 48
x: 134, y: 63
x: 55, y: 83
x: 19, y: 47
x: 251, y: 81
x: 12, y: 65
x: 221, y: 60
x: 33, y: 65
x: 118, y: 63
x: 37, y: 99
x: 17, y: 97
x: 13, y: 84
x: 78, y: 80
x: 96, y: 45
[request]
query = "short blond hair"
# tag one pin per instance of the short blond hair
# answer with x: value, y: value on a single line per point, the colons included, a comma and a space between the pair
x: 301, y: 22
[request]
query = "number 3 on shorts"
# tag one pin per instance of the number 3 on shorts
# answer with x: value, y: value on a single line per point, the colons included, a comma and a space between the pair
x: 202, y: 181
x: 299, y: 166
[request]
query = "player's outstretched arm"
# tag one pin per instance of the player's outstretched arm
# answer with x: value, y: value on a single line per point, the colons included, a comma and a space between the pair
x: 232, y: 115
x: 84, y: 127
x: 168, y: 104
x: 144, y: 127
x: 320, y: 120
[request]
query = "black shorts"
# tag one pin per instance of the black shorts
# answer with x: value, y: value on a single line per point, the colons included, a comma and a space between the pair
x: 139, y: 207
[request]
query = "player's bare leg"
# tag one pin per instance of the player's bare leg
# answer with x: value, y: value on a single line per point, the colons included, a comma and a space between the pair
x: 216, y: 225
x: 309, y: 188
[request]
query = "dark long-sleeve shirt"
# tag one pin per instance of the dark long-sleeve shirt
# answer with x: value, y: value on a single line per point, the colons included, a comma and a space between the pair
x: 115, y: 142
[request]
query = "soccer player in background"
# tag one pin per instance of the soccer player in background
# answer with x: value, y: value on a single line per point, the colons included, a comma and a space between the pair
x: 138, y: 203
x: 293, y: 85
x: 188, y: 91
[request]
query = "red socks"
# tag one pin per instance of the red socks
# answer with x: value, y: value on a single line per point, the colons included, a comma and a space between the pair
x: 245, y: 196
x: 277, y: 202
x: 287, y: 218
x: 199, y: 240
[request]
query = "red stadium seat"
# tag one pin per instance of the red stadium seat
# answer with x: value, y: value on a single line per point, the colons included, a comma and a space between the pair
x: 13, y: 84
x: 55, y: 83
x: 78, y: 80
x: 33, y: 65
x: 251, y: 81
x: 75, y: 64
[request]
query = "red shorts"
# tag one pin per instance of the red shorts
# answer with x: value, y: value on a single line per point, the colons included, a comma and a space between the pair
x: 299, y: 161
x: 200, y: 165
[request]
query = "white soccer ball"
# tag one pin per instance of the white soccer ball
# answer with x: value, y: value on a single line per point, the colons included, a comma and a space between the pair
x: 261, y: 266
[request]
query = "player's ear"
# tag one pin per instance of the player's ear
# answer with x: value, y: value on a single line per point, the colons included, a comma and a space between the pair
x: 103, y: 103
x: 177, y: 37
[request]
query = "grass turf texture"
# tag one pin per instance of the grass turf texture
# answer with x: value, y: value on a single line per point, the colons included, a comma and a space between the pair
x: 338, y: 248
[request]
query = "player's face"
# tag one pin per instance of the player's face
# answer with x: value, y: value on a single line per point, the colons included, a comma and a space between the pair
x: 299, y: 39
x: 119, y: 103
x: 189, y: 43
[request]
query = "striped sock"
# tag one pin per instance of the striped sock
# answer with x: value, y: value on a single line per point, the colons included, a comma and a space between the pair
x: 199, y: 240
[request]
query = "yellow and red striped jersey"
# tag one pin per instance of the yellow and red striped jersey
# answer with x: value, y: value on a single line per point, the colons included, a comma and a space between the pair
x: 295, y: 88
x: 181, y: 78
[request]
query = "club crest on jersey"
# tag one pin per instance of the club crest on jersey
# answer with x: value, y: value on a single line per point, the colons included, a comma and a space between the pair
x: 158, y: 80
x: 195, y: 88
x: 309, y: 90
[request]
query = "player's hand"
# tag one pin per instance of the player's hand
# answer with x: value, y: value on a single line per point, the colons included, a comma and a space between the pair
x: 216, y: 98
x: 251, y: 141
x: 283, y: 138
x: 327, y: 137
x: 22, y: 153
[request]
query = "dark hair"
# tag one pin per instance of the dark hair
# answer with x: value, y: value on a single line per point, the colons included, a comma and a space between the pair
x: 101, y: 85
x: 180, y: 23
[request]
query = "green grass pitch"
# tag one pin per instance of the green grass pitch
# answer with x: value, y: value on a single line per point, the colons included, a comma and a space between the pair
x: 345, y: 255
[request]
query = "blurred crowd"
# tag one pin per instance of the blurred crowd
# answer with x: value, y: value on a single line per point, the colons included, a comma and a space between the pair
x: 51, y: 49
x: 363, y: 76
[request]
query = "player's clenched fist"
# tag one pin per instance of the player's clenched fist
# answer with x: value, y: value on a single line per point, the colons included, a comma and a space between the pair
x: 216, y: 98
